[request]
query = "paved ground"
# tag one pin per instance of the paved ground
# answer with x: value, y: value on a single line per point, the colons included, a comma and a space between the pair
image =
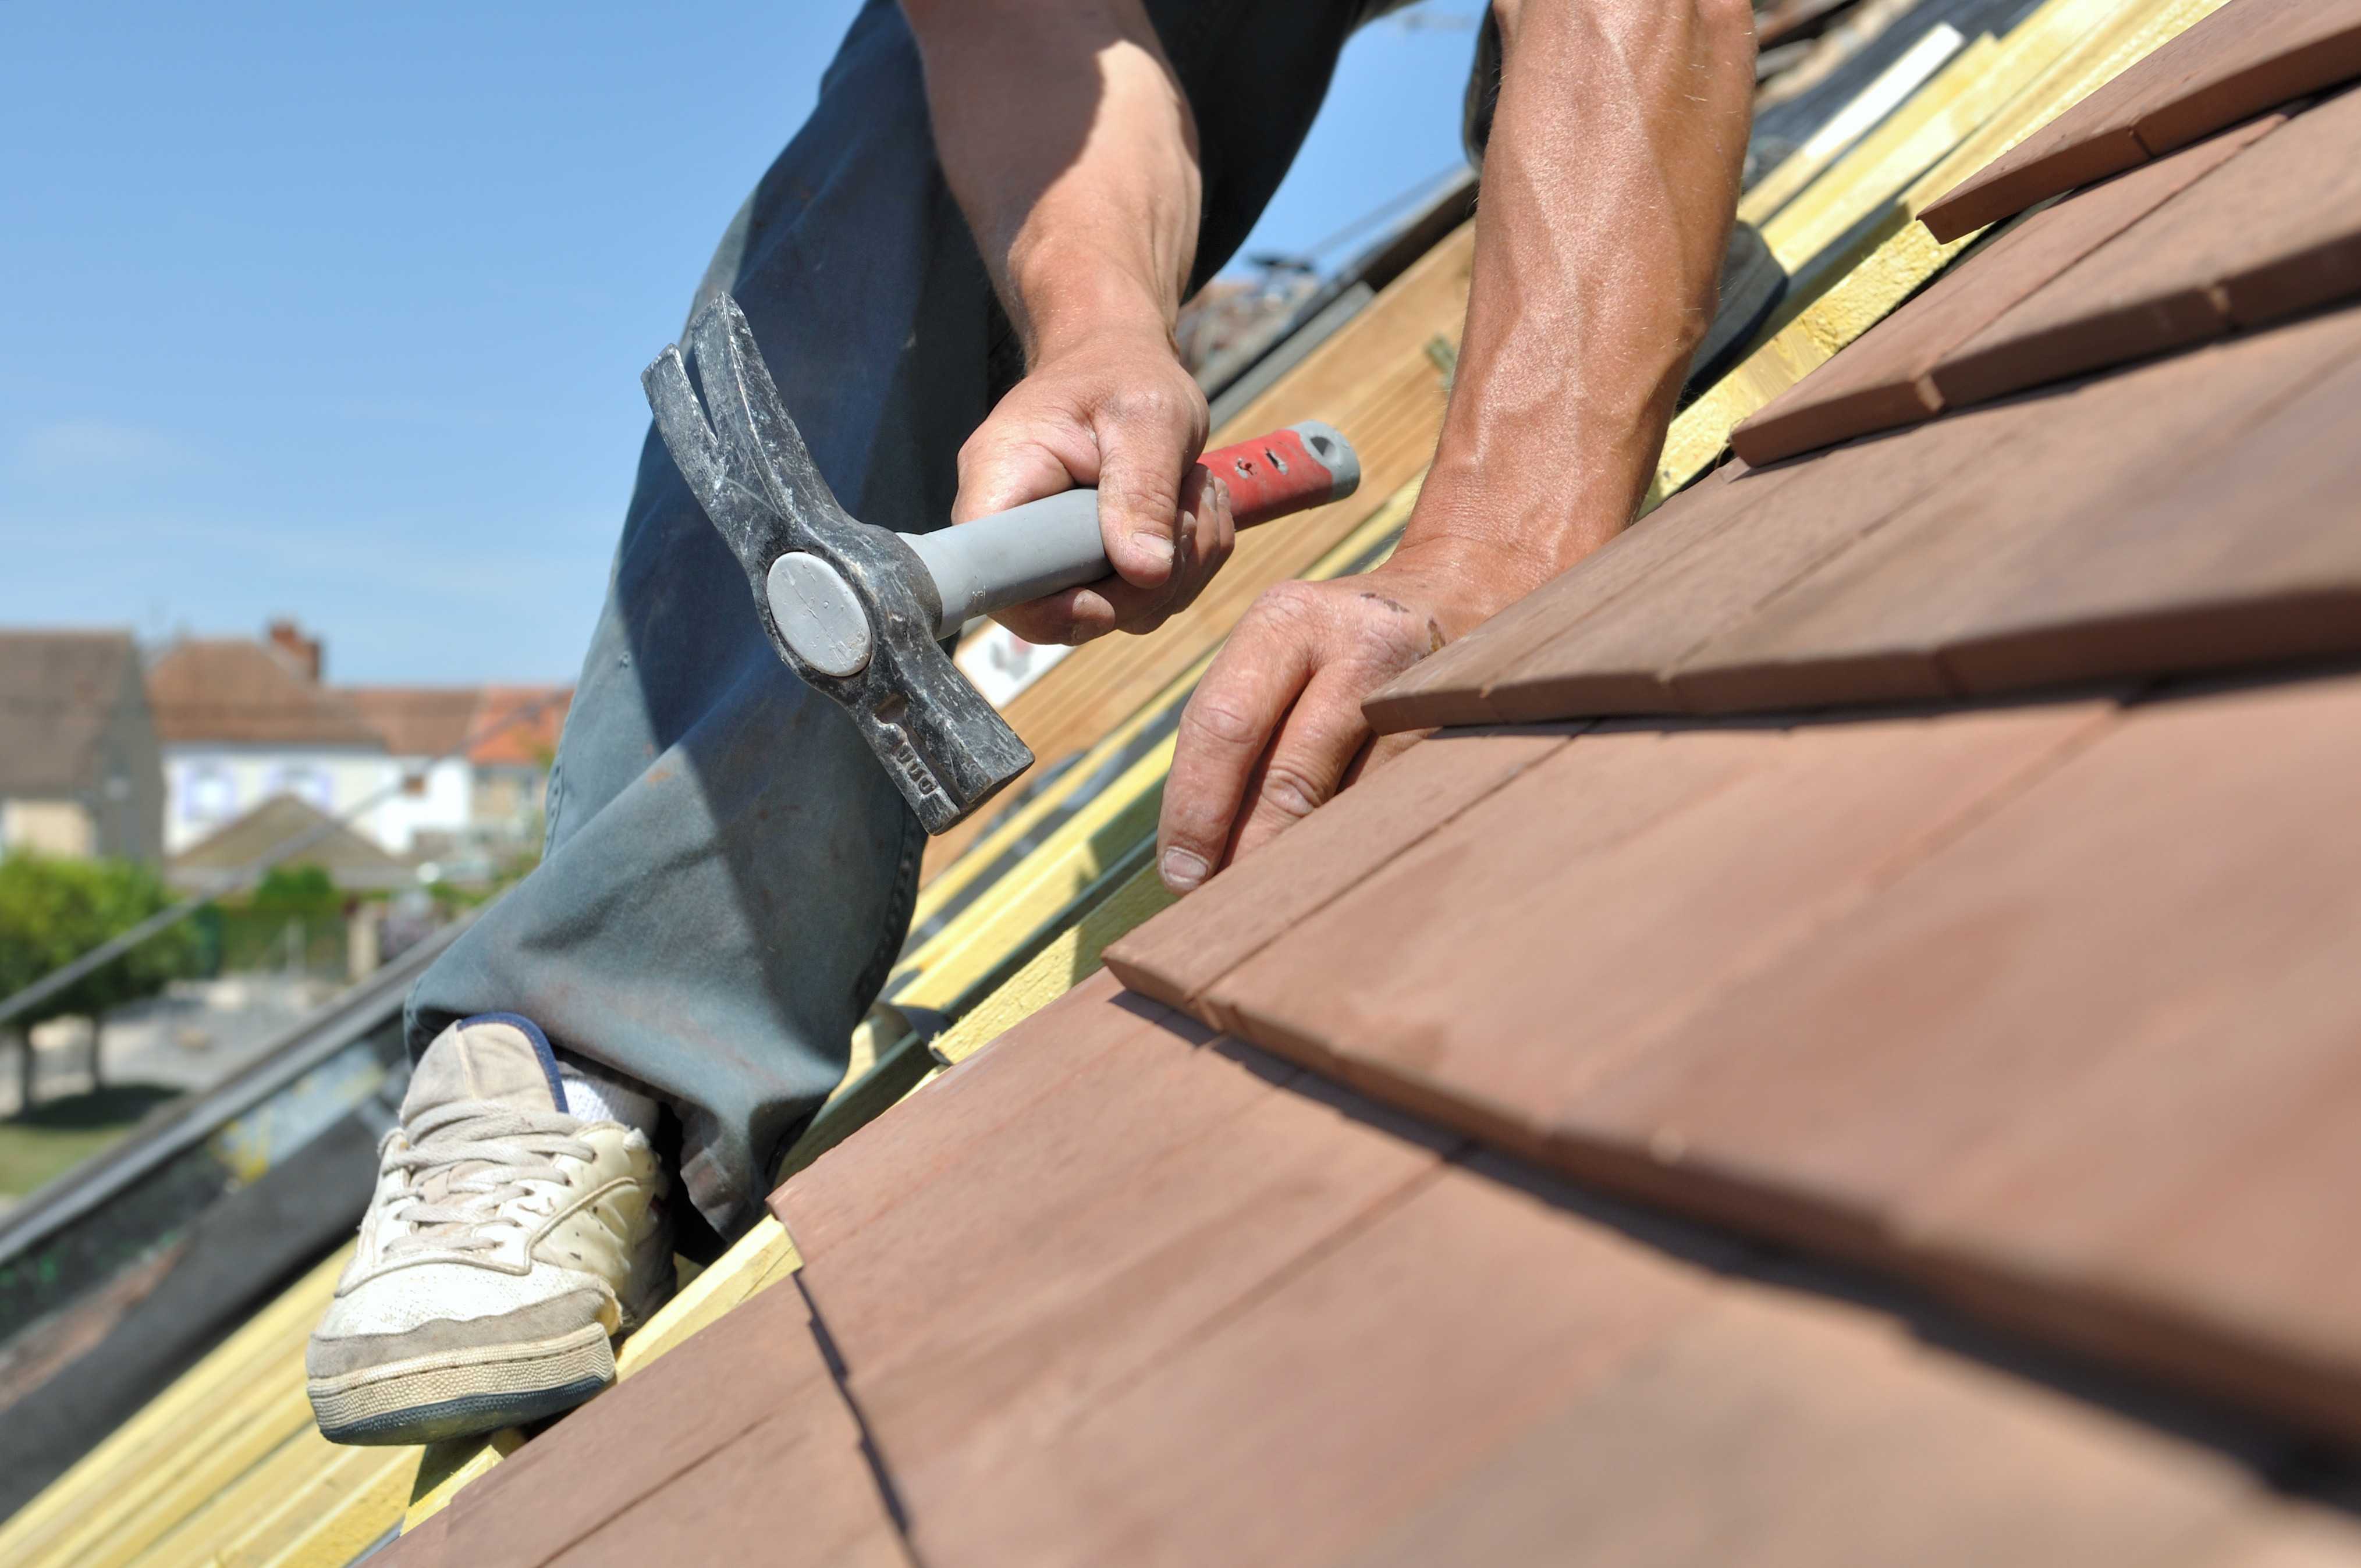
x: 192, y: 1038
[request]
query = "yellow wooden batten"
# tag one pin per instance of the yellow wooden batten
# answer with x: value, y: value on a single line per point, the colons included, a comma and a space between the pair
x: 1907, y: 257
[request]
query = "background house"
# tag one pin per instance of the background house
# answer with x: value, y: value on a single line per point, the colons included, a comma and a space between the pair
x: 474, y: 764
x: 458, y: 773
x: 79, y: 767
x: 241, y: 722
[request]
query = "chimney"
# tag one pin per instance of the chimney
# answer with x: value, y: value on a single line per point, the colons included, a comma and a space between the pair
x: 302, y: 652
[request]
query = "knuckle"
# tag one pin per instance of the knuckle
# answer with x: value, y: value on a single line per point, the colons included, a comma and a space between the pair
x: 1288, y: 793
x: 1214, y: 714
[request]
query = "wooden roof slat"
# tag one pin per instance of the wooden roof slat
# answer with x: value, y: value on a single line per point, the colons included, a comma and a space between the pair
x: 1875, y: 623
x: 1884, y: 379
x: 2250, y: 55
x: 2277, y: 231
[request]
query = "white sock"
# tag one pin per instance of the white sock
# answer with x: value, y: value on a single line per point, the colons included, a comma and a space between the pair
x: 595, y: 1096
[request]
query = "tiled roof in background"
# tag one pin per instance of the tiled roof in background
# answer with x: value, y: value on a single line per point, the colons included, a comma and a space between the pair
x: 414, y: 721
x: 518, y: 726
x: 493, y: 726
x: 58, y: 690
x: 234, y: 692
x: 1845, y: 1056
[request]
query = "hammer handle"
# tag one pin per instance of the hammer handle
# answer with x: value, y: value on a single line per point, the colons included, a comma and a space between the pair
x: 1053, y: 543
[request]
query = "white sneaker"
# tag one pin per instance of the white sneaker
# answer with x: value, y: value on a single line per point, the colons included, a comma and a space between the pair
x: 508, y: 1241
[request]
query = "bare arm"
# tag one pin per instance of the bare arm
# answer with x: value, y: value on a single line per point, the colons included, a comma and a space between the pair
x: 1610, y: 184
x: 1069, y: 147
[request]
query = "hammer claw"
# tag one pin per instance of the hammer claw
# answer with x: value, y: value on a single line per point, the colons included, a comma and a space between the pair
x: 738, y: 451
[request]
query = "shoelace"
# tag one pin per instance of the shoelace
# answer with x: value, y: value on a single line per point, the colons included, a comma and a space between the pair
x: 510, y: 1145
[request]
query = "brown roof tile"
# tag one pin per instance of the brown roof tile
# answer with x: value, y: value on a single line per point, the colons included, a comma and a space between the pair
x: 58, y: 692
x: 2249, y: 55
x: 238, y: 692
x: 1884, y: 378
x: 1448, y: 687
x: 413, y: 721
x: 1781, y: 1429
x: 1874, y: 623
x: 1231, y: 918
x: 1622, y: 659
x: 592, y: 1487
x: 2142, y: 916
x: 1606, y: 892
x: 2276, y: 231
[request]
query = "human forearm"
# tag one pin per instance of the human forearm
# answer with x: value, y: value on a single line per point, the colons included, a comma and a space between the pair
x: 1609, y: 188
x: 1069, y: 146
x: 1608, y: 185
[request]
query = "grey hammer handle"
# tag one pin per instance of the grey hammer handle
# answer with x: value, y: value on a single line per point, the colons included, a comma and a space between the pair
x: 1053, y: 543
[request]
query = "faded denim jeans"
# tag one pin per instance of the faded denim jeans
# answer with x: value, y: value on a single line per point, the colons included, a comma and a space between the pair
x: 727, y: 872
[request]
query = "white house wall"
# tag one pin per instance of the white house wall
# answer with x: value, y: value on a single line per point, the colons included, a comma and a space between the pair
x: 209, y: 786
x: 443, y: 806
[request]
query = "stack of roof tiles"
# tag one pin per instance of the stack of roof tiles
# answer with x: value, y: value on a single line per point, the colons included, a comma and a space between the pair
x: 1840, y: 1048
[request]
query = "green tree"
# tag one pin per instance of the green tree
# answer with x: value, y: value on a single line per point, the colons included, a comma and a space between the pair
x: 53, y: 911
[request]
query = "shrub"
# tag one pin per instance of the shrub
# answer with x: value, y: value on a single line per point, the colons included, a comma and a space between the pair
x: 53, y: 911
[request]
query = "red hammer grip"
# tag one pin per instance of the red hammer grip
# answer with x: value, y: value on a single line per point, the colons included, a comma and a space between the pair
x: 1303, y: 465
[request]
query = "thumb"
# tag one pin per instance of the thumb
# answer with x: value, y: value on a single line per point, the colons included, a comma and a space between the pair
x: 1145, y: 453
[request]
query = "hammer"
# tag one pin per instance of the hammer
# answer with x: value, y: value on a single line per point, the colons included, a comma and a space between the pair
x: 858, y: 611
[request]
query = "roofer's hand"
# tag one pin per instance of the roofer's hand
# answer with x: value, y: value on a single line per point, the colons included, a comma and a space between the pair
x: 1116, y: 411
x: 1274, y: 728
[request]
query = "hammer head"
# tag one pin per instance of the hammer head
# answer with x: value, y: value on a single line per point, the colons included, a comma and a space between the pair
x: 743, y: 460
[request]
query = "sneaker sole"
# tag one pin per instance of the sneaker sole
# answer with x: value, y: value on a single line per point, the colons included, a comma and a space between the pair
x: 462, y: 1393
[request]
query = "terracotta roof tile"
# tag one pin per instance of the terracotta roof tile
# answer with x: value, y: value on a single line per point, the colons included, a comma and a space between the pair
x: 1623, y: 660
x: 2249, y: 55
x: 413, y: 721
x: 1090, y: 1297
x: 1231, y: 918
x: 1448, y: 687
x: 1884, y: 378
x: 1606, y: 892
x: 519, y: 725
x: 2140, y: 917
x: 1874, y: 623
x: 758, y: 1373
x: 1780, y: 1428
x: 2276, y: 231
x: 234, y: 692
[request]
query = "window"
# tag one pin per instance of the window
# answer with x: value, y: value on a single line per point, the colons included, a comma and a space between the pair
x: 307, y: 783
x: 208, y: 792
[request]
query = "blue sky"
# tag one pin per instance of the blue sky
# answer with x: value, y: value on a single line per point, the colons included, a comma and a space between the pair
x: 337, y: 311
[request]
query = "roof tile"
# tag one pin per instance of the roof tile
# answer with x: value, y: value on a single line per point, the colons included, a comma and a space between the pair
x: 2276, y: 231
x: 2249, y: 55
x: 1872, y: 624
x: 1883, y: 379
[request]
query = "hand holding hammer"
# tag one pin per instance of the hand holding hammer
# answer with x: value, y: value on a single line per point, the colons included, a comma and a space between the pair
x: 858, y: 611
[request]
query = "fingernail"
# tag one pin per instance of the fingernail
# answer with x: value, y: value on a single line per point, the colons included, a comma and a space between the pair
x: 1150, y: 540
x: 1183, y: 872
